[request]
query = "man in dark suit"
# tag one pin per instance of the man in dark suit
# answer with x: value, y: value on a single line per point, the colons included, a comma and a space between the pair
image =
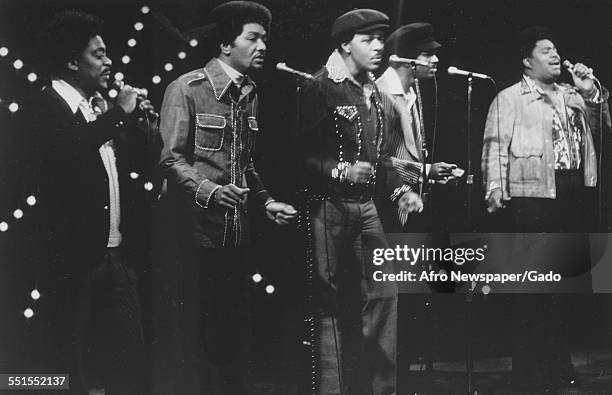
x: 89, y: 312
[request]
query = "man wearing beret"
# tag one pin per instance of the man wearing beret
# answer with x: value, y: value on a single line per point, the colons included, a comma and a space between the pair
x: 209, y: 126
x: 407, y: 135
x: 341, y: 133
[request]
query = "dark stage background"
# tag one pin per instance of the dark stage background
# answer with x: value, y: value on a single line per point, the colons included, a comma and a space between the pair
x: 476, y: 35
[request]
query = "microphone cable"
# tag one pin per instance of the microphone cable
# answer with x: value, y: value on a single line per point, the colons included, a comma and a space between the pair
x: 435, y: 120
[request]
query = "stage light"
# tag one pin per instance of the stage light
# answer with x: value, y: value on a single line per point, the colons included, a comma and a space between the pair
x: 270, y: 289
x: 181, y: 55
x: 193, y: 42
x: 138, y: 26
x: 13, y: 107
x: 17, y: 64
x: 134, y: 175
x: 119, y: 76
x: 31, y: 200
x: 32, y: 77
x: 148, y: 186
x: 486, y: 289
x: 3, y: 226
x: 145, y: 9
x: 131, y: 42
x: 112, y: 93
x: 18, y: 214
x: 168, y: 67
x: 4, y: 51
x: 35, y: 294
x: 28, y: 313
x: 125, y: 59
x: 257, y: 278
x: 156, y: 79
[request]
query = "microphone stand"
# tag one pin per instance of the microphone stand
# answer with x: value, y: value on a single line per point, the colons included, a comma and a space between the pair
x: 470, y: 176
x: 421, y: 132
x: 469, y: 296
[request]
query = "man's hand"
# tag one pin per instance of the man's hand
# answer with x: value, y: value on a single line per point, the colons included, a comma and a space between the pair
x: 360, y: 172
x: 410, y: 201
x: 441, y: 171
x: 281, y: 213
x: 229, y: 195
x: 580, y: 73
x: 126, y: 98
x: 494, y: 202
x: 148, y: 108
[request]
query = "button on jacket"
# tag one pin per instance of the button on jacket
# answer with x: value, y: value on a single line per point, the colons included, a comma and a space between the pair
x: 209, y: 127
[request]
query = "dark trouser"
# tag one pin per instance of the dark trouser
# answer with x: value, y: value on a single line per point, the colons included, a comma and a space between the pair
x: 109, y: 328
x: 541, y: 357
x: 216, y: 323
x: 571, y: 211
x: 92, y: 328
x: 354, y: 331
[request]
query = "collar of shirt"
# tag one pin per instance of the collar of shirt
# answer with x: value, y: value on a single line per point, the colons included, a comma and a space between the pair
x: 236, y: 76
x: 67, y: 92
x: 220, y: 79
x: 395, y: 86
x: 338, y: 72
x: 529, y: 86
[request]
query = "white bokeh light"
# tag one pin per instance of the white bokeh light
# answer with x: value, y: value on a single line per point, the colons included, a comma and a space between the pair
x: 35, y: 294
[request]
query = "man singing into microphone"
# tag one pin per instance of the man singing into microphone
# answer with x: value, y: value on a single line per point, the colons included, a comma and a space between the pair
x: 90, y: 310
x: 539, y: 155
x: 209, y: 125
x: 539, y: 159
x: 406, y: 132
x: 342, y: 128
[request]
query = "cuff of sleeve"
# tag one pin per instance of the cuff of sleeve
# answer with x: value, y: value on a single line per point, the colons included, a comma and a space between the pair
x: 262, y: 197
x: 409, y: 172
x: 399, y: 192
x: 116, y: 116
x: 493, y: 186
x: 595, y: 97
x: 205, y: 192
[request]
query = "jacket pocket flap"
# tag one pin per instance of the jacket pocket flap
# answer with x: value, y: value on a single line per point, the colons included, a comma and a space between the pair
x: 347, y: 112
x: 526, y: 142
x: 210, y: 121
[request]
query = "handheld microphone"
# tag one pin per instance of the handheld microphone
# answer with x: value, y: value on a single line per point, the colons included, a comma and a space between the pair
x: 140, y: 92
x: 568, y: 65
x: 396, y: 59
x: 118, y: 85
x: 283, y: 67
x: 455, y: 71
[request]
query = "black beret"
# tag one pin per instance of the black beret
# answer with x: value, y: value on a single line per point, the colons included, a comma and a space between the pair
x: 241, y: 11
x: 410, y: 38
x: 358, y: 21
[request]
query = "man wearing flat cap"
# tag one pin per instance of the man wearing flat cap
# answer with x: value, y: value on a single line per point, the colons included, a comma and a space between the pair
x: 406, y: 132
x: 209, y: 125
x: 341, y: 133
